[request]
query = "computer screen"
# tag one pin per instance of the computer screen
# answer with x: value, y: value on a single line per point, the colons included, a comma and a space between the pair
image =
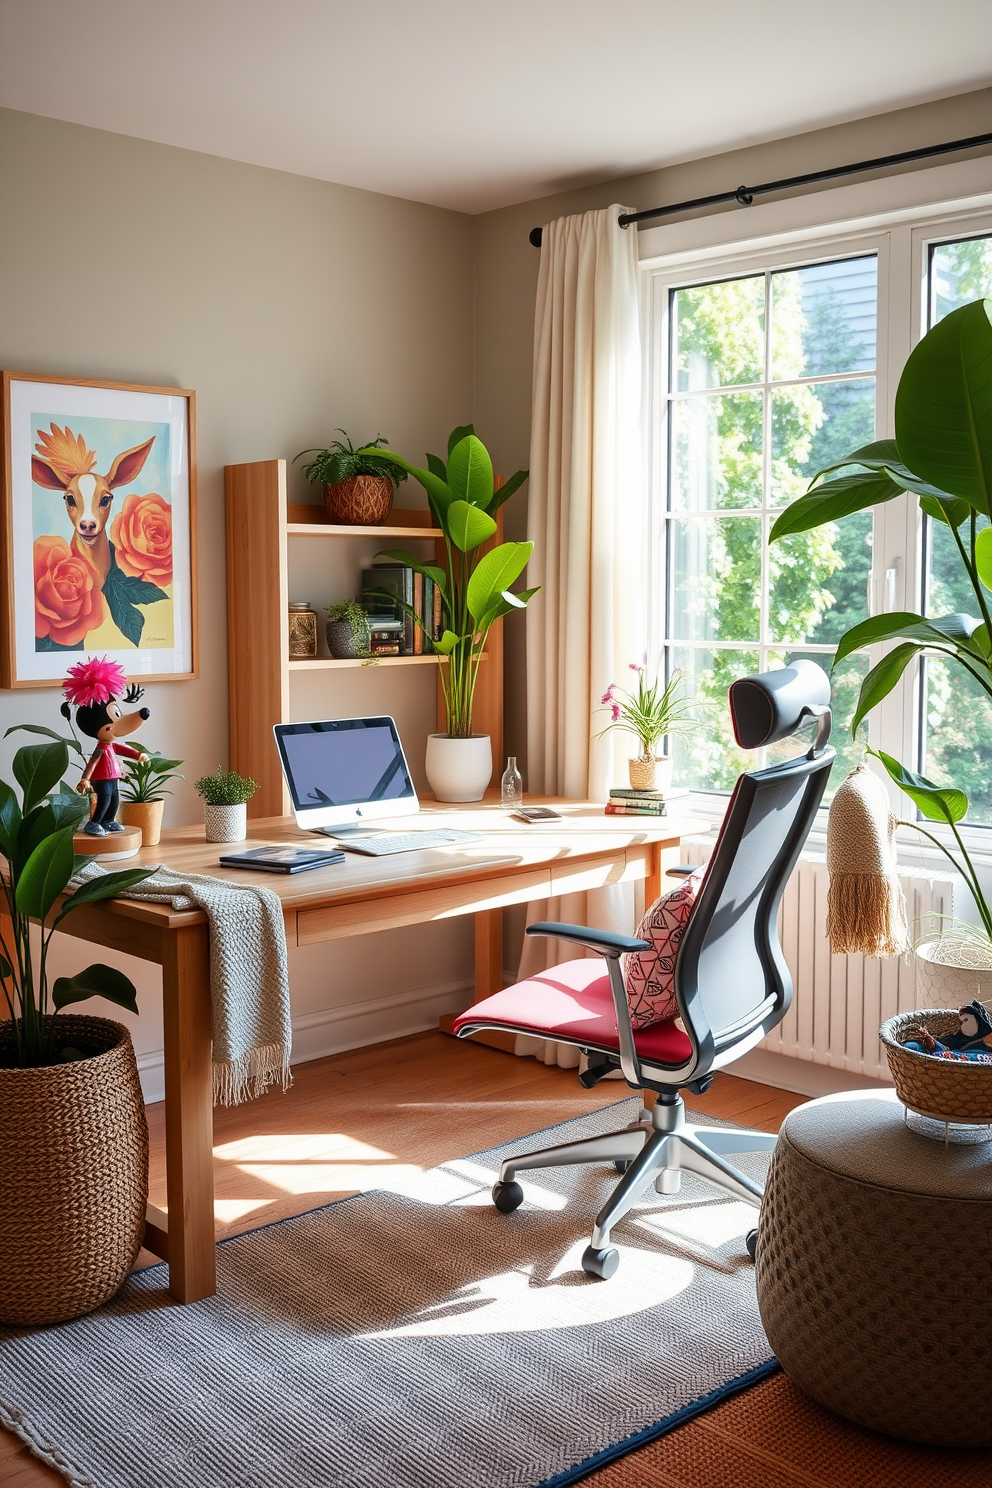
x: 340, y: 767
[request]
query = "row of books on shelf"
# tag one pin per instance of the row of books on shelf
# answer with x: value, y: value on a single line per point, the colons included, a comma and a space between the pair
x: 624, y: 802
x: 394, y: 630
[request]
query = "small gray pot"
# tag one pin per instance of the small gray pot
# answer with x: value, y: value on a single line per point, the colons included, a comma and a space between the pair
x: 341, y: 641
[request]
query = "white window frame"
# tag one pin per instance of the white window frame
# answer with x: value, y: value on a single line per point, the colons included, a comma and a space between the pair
x: 930, y: 206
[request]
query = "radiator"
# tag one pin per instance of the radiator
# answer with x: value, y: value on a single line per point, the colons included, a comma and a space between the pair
x: 840, y: 1001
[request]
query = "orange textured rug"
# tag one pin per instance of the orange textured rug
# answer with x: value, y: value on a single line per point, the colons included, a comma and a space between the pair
x: 772, y: 1436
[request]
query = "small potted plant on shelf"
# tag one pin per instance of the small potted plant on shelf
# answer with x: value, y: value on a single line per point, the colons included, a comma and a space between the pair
x: 358, y: 483
x: 225, y: 797
x: 349, y: 633
x: 941, y: 454
x: 143, y: 793
x: 73, y: 1137
x: 475, y: 593
x: 652, y: 714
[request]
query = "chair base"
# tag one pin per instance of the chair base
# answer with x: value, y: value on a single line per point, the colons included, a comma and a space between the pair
x: 659, y: 1146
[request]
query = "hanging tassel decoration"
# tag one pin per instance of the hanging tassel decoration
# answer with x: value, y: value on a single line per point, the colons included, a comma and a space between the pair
x: 866, y: 907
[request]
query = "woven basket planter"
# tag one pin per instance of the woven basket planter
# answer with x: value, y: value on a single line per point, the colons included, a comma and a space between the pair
x: 73, y: 1175
x: 650, y: 772
x: 363, y: 501
x: 947, y: 1089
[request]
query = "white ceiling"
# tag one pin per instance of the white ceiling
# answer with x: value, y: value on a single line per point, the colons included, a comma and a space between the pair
x: 471, y: 105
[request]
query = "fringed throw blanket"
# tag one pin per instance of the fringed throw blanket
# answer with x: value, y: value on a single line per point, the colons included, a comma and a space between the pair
x: 866, y: 908
x: 249, y: 977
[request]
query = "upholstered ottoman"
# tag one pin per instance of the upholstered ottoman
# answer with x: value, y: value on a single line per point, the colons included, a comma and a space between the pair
x: 874, y: 1269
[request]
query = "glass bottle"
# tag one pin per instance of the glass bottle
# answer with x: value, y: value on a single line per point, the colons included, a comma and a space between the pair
x: 511, y: 786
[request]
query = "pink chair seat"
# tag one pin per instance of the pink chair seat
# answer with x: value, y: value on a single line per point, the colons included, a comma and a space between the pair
x: 573, y: 1002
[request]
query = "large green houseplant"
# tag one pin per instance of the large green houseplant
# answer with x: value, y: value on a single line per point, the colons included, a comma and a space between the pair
x: 942, y: 454
x: 475, y: 589
x: 73, y: 1139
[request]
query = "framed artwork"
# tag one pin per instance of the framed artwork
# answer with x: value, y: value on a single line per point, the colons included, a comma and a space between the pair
x: 98, y: 528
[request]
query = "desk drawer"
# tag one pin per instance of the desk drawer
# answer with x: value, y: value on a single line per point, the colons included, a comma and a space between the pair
x: 442, y: 903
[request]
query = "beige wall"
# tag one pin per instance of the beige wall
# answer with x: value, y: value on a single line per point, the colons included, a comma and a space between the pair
x: 506, y: 271
x: 290, y: 306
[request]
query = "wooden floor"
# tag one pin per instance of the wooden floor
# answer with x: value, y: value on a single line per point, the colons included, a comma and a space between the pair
x: 411, y: 1103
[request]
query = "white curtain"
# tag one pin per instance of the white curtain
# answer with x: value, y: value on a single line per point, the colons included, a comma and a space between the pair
x: 587, y: 519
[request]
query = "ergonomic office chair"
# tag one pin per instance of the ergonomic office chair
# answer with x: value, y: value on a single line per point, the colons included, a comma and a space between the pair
x: 731, y: 982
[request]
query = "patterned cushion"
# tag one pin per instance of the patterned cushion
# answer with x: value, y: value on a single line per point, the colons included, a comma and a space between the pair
x: 649, y: 976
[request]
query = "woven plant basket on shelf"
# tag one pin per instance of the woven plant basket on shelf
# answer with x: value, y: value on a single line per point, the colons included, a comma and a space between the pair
x: 363, y: 501
x: 947, y: 1089
x: 73, y: 1175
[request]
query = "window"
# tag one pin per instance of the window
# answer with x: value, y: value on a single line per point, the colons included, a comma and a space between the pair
x: 772, y: 377
x: 769, y: 363
x: 956, y: 715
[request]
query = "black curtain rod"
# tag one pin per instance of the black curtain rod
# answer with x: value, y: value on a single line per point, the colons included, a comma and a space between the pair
x: 745, y: 195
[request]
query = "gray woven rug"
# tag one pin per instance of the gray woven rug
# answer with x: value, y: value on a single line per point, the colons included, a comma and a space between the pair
x: 411, y: 1337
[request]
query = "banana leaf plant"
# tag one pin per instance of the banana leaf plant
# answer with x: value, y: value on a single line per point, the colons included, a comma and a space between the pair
x: 475, y: 590
x: 942, y: 454
x: 36, y: 845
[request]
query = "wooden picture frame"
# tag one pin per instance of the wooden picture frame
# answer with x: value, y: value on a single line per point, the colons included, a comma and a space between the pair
x: 98, y: 541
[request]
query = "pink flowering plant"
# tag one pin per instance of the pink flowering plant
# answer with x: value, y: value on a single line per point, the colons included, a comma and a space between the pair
x: 652, y: 712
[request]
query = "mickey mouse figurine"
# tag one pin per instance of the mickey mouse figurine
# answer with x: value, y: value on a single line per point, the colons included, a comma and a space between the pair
x: 92, y: 687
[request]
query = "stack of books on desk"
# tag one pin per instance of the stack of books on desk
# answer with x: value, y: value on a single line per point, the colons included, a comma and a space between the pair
x: 644, y: 802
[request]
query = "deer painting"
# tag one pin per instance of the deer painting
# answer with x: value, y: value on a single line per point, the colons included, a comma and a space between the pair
x: 63, y: 463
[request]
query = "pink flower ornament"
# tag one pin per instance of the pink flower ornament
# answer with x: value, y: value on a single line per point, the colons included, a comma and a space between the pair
x: 95, y: 680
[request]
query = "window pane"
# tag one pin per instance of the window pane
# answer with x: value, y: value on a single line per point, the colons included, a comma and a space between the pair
x: 715, y: 565
x: 707, y: 757
x: 814, y: 425
x: 823, y: 318
x: 956, y: 743
x: 819, y: 581
x: 716, y: 452
x: 845, y: 684
x: 959, y: 273
x: 718, y: 334
x: 958, y: 732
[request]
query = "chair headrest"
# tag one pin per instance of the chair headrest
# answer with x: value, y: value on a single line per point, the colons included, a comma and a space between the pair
x: 772, y: 705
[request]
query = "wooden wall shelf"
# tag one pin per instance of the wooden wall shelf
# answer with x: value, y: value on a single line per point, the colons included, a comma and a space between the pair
x: 260, y: 523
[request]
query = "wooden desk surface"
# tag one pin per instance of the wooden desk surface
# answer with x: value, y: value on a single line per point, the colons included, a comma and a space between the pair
x: 507, y: 850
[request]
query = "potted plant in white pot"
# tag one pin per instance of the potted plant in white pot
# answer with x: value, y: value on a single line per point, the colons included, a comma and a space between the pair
x: 225, y: 811
x: 475, y: 593
x: 652, y: 714
x: 358, y: 483
x: 143, y: 793
x: 942, y: 453
x: 73, y: 1136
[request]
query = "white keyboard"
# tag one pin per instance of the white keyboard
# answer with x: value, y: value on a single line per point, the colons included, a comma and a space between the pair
x: 386, y: 843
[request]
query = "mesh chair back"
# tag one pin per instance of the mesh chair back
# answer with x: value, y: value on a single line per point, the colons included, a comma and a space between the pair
x: 731, y: 980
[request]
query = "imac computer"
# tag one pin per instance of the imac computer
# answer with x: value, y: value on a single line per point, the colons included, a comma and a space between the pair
x: 344, y: 773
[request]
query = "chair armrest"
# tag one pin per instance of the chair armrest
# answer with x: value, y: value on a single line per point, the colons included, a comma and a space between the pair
x: 603, y: 941
x: 681, y: 870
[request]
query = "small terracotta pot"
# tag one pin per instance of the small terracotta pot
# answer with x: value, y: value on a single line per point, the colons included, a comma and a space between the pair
x: 146, y: 816
x: 363, y: 501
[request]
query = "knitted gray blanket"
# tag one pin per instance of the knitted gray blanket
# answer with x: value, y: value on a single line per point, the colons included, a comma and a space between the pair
x: 249, y: 976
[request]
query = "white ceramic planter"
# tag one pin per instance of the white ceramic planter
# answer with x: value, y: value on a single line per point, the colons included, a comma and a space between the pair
x: 226, y: 823
x: 952, y: 971
x: 459, y: 769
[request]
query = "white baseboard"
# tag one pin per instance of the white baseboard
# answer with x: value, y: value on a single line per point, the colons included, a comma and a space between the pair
x: 801, y: 1076
x: 352, y: 1026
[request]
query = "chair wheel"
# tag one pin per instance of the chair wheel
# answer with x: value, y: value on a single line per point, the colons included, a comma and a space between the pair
x: 751, y: 1241
x: 600, y: 1263
x: 621, y: 1164
x: 507, y: 1197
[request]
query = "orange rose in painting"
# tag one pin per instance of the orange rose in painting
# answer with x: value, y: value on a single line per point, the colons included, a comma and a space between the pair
x: 68, y: 602
x: 142, y: 535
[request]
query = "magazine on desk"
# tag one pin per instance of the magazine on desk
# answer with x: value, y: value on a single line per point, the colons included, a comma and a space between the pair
x: 275, y: 859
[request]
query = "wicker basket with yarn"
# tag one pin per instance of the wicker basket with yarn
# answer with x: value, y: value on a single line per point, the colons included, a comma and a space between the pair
x: 362, y: 501
x: 947, y: 1089
x: 73, y: 1175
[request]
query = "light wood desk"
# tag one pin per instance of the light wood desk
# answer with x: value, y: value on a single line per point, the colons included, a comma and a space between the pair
x: 513, y: 863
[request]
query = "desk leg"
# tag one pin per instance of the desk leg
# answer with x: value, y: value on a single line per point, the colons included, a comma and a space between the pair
x: 653, y: 881
x: 488, y: 953
x: 189, y: 1114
